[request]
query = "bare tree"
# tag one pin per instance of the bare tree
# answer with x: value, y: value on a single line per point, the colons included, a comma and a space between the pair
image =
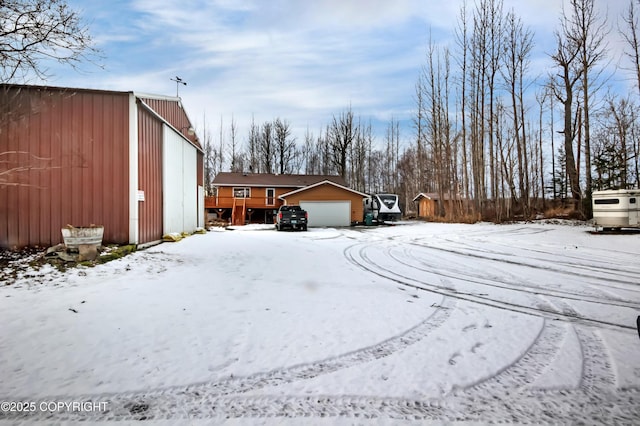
x: 632, y: 38
x: 492, y: 20
x: 589, y: 30
x: 616, y: 144
x: 462, y: 39
x: 564, y: 85
x: 254, y: 146
x: 325, y: 150
x: 266, y: 148
x: 419, y: 124
x: 483, y: 56
x: 31, y: 33
x: 15, y: 166
x: 35, y: 31
x: 506, y: 184
x: 221, y: 148
x: 341, y: 135
x: 518, y: 45
x: 392, y: 139
x: 310, y: 156
x: 285, y: 146
x: 359, y: 158
x: 211, y: 161
x: 541, y: 98
x: 442, y: 145
x: 408, y: 184
x: 376, y: 171
x: 237, y: 157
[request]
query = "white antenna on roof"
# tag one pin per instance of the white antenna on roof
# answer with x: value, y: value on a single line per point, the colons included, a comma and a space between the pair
x: 178, y: 81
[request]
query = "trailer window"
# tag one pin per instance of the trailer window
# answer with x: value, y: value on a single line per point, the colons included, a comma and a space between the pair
x: 607, y: 201
x: 632, y: 200
x: 388, y: 200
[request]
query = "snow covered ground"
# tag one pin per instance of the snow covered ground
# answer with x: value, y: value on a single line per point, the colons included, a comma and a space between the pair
x: 417, y: 323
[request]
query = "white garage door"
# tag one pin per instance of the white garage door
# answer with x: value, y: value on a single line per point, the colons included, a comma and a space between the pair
x: 328, y: 213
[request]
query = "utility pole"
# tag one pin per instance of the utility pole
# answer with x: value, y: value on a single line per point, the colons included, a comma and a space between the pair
x: 178, y: 81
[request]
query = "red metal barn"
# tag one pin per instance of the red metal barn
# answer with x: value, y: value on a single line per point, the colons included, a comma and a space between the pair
x: 125, y: 160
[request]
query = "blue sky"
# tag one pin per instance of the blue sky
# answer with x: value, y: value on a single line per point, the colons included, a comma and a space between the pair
x: 303, y: 61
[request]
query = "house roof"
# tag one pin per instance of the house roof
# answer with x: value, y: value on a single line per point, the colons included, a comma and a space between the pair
x: 323, y: 182
x: 428, y: 196
x: 434, y: 196
x: 273, y: 180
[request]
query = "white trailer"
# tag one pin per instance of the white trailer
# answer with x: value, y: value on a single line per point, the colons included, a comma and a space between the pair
x: 383, y: 207
x: 618, y: 208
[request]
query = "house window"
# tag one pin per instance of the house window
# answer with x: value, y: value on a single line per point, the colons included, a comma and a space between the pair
x: 241, y: 193
x: 271, y: 196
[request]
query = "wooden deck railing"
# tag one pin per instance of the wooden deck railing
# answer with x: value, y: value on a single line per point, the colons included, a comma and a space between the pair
x: 251, y: 203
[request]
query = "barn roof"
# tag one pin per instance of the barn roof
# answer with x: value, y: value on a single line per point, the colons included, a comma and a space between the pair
x: 168, y: 109
x: 273, y: 180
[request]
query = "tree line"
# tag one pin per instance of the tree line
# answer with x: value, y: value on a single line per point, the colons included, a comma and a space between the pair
x: 485, y: 131
x: 345, y: 147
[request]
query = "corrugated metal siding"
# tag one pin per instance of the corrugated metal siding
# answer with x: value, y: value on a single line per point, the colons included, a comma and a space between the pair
x: 200, y: 169
x: 69, y: 164
x: 172, y: 111
x: 149, y: 176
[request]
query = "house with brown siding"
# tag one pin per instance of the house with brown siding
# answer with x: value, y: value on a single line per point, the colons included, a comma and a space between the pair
x: 124, y: 160
x: 242, y: 198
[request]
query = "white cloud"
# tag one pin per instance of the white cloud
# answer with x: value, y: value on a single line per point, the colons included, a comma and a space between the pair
x: 303, y: 61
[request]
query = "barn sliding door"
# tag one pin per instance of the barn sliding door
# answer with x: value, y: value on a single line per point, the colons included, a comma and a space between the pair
x: 180, y: 189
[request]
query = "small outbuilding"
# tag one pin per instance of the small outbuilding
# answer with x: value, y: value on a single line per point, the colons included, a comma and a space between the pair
x: 125, y: 160
x: 430, y: 204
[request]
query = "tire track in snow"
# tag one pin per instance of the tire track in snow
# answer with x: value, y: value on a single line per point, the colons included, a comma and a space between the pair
x: 603, y: 289
x: 594, y: 263
x: 533, y: 289
x: 362, y: 261
x: 597, y: 373
x: 568, y: 407
x: 596, y: 365
x: 577, y: 406
x: 526, y: 369
x: 310, y: 370
x: 123, y: 404
x: 507, y: 258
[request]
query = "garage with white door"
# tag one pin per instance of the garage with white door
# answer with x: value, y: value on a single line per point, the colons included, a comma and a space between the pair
x: 328, y: 203
x: 328, y: 213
